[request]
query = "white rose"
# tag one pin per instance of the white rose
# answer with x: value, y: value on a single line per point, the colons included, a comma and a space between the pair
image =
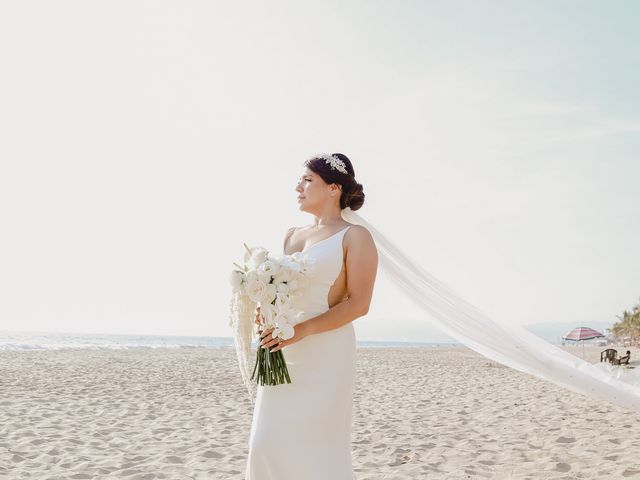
x: 282, y: 288
x: 270, y: 293
x: 251, y: 276
x: 255, y: 289
x: 284, y: 275
x: 269, y: 267
x: 263, y: 276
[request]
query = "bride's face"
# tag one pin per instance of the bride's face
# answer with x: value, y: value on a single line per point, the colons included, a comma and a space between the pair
x: 312, y: 190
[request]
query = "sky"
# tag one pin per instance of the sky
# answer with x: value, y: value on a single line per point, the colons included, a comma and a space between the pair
x: 144, y: 142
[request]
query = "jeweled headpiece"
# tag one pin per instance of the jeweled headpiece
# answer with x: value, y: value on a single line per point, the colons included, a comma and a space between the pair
x: 336, y: 163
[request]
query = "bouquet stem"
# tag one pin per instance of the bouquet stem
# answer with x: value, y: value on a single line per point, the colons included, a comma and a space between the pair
x: 270, y: 368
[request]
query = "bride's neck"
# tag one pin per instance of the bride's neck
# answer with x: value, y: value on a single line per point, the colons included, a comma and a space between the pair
x: 327, y: 220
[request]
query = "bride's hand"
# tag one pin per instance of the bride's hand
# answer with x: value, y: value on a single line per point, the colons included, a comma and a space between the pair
x: 268, y: 341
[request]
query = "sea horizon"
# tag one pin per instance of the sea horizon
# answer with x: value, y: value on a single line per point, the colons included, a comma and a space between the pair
x: 47, y: 340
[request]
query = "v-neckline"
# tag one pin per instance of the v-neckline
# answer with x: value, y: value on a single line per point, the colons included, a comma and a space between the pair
x: 307, y: 247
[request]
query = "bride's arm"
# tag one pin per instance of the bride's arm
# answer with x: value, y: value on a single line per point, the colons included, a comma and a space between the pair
x: 361, y: 265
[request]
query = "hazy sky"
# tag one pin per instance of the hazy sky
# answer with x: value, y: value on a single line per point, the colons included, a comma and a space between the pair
x: 143, y: 142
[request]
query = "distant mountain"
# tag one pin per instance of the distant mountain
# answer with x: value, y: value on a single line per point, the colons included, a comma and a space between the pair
x: 553, y: 332
x: 417, y: 330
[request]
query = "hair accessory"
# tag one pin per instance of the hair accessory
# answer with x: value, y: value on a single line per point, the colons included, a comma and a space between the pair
x: 336, y: 163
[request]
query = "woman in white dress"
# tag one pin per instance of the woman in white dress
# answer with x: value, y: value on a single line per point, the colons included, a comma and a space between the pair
x: 302, y: 430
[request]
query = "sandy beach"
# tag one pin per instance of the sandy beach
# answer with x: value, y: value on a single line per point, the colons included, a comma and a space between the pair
x: 418, y: 413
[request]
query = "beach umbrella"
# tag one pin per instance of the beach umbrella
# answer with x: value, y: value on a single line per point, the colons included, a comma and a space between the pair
x: 581, y: 334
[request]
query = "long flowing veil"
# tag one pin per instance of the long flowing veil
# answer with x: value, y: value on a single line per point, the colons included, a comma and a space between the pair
x: 510, y: 345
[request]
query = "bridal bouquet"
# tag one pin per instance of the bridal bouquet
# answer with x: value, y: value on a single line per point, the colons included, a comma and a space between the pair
x: 269, y: 286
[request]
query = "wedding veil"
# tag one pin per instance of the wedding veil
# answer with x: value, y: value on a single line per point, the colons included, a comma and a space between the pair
x: 510, y: 345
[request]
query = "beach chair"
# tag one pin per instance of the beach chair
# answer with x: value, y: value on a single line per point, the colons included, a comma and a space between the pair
x: 609, y: 355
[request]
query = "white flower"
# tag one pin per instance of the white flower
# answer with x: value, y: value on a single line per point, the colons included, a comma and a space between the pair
x: 263, y: 276
x: 296, y: 267
x: 269, y: 266
x: 284, y: 330
x: 270, y: 294
x: 283, y: 275
x: 236, y: 278
x: 255, y: 256
x: 298, y: 257
x: 282, y: 302
x: 250, y: 276
x: 278, y: 258
x: 280, y: 318
x: 287, y: 309
x: 268, y: 313
x: 256, y: 289
x: 273, y: 283
x: 283, y: 288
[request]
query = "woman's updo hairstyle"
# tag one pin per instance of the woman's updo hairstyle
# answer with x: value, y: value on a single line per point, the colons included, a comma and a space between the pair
x: 352, y: 194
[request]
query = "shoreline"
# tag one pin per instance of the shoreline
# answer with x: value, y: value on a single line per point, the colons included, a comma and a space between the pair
x: 365, y: 344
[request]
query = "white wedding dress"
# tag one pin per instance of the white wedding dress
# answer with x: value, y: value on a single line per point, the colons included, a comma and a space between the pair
x: 302, y: 430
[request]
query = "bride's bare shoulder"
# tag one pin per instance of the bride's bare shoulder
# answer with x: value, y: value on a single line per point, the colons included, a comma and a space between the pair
x: 359, y: 236
x: 290, y: 233
x: 292, y: 230
x: 360, y: 230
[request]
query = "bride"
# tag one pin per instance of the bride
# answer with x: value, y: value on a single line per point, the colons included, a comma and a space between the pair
x: 302, y: 430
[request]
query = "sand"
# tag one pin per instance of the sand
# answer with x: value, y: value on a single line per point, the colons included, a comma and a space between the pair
x: 418, y: 413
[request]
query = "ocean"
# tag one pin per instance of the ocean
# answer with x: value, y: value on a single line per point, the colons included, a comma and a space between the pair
x: 69, y: 341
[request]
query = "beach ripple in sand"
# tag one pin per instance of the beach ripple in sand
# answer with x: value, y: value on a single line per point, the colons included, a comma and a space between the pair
x: 418, y: 413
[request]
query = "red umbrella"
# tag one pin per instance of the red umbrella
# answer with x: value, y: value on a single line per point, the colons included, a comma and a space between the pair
x: 581, y: 334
